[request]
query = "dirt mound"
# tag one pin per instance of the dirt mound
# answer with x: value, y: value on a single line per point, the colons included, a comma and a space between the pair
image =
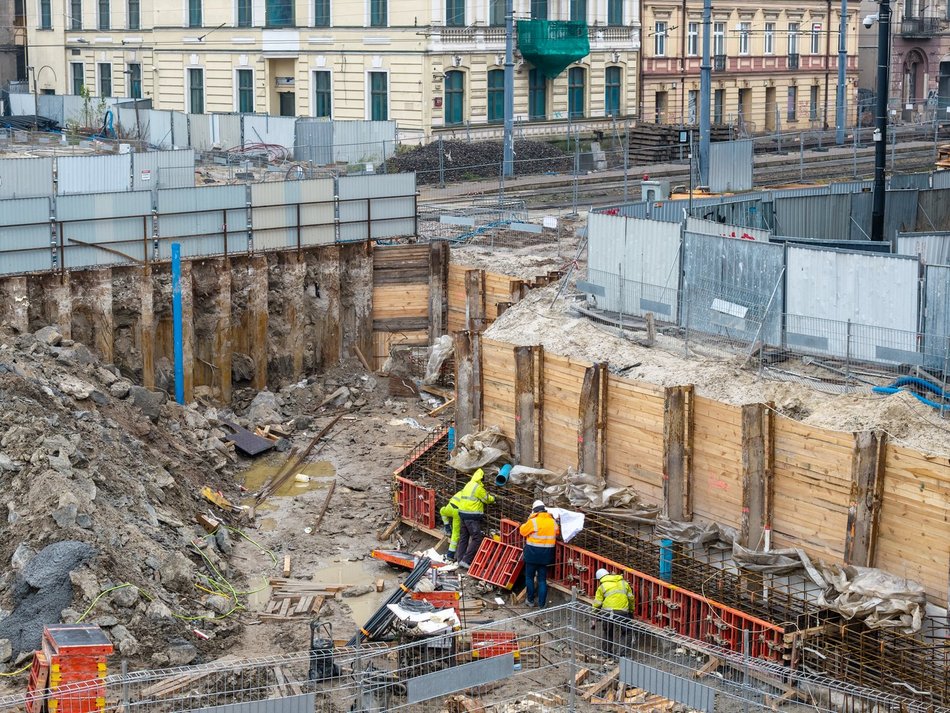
x: 464, y: 160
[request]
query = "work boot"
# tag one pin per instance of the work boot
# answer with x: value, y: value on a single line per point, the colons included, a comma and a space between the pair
x: 464, y: 565
x: 530, y: 602
x: 450, y: 556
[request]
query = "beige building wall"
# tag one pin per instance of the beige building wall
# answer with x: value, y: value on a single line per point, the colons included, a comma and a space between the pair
x: 415, y: 51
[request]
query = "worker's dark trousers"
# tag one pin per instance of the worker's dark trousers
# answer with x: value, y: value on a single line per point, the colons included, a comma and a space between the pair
x: 470, y: 538
x: 618, y: 634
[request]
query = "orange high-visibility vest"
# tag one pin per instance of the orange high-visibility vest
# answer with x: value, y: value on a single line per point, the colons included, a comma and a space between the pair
x: 541, y: 530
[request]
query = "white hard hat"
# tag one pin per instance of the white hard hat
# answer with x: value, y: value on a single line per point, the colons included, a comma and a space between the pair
x: 601, y: 573
x: 537, y: 504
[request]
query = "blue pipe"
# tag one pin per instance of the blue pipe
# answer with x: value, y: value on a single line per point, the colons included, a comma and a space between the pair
x: 502, y: 478
x: 176, y: 324
x: 914, y: 381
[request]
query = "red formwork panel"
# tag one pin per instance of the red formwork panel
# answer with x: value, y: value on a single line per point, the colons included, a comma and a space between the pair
x: 669, y: 607
x: 486, y: 644
x: 421, y: 448
x: 509, y: 533
x: 416, y: 504
x: 440, y: 600
x: 497, y: 563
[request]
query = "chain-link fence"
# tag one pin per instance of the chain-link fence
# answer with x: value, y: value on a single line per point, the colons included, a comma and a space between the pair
x: 567, y: 657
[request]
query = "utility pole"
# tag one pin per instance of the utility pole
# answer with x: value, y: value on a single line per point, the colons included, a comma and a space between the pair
x: 880, y: 119
x: 36, y: 100
x: 840, y: 99
x: 508, y: 161
x: 705, y: 80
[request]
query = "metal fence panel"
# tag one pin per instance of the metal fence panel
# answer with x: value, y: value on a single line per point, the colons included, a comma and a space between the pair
x: 388, y: 202
x: 23, y: 177
x: 933, y: 209
x: 120, y: 222
x: 930, y: 248
x: 937, y: 320
x: 179, y: 129
x: 76, y: 111
x: 314, y: 141
x: 748, y: 213
x: 264, y: 129
x: 909, y: 181
x: 128, y: 120
x: 99, y: 174
x: 730, y: 166
x: 22, y: 104
x: 873, y: 290
x: 163, y: 169
x: 301, y: 703
x: 363, y: 141
x: 197, y: 217
x: 159, y: 125
x: 227, y: 130
x: 940, y: 179
x: 51, y: 106
x: 826, y: 217
x: 467, y: 675
x: 668, y: 685
x: 725, y: 230
x: 734, y: 287
x: 860, y: 218
x: 900, y: 212
x: 850, y: 186
x: 25, y: 235
x: 199, y: 131
x: 292, y: 213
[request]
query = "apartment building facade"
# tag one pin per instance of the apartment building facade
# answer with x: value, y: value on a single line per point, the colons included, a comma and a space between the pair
x: 774, y: 67
x: 427, y: 64
x: 920, y: 59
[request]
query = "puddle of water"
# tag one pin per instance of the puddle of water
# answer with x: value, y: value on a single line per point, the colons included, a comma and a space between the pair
x: 309, y: 476
x: 355, y: 574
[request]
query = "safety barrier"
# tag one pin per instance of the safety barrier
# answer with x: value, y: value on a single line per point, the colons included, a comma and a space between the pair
x: 497, y: 563
x: 415, y: 503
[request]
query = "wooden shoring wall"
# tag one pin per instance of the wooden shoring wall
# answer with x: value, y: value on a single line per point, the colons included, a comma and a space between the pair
x: 476, y: 297
x: 841, y: 497
x: 401, y: 295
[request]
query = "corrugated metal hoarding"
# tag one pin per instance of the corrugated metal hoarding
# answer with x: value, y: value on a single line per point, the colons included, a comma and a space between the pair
x: 113, y: 220
x: 159, y: 124
x: 276, y: 209
x: 227, y: 130
x: 22, y: 104
x: 51, y: 106
x: 900, y: 212
x: 637, y: 263
x: 388, y: 202
x: 25, y: 177
x: 937, y: 322
x: 826, y: 217
x: 199, y: 131
x: 314, y: 141
x: 25, y: 235
x: 730, y: 166
x: 179, y: 129
x: 264, y: 129
x: 725, y: 230
x: 877, y: 293
x: 163, y: 169
x: 940, y: 179
x: 734, y: 287
x: 909, y: 181
x: 82, y: 174
x: 363, y: 141
x: 930, y: 248
x: 197, y: 217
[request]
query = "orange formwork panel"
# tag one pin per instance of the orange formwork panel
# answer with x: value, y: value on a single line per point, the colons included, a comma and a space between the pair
x: 508, y: 530
x: 486, y: 644
x: 68, y: 674
x: 497, y: 563
x: 416, y: 504
x: 440, y: 600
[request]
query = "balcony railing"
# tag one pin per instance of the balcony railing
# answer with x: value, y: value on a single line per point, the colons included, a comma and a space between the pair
x: 793, y: 60
x: 719, y: 63
x: 920, y: 27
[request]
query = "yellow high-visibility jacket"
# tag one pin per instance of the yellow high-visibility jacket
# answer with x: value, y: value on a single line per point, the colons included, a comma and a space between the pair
x: 473, y: 498
x: 614, y: 593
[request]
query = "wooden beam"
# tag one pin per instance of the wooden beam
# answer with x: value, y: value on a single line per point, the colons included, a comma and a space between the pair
x: 602, y: 421
x: 257, y: 318
x: 589, y: 421
x: 438, y: 288
x: 475, y: 300
x: 468, y: 388
x: 146, y: 326
x: 188, y: 330
x: 61, y: 298
x: 222, y: 330
x: 677, y: 504
x: 757, y: 460
x: 356, y: 301
x: 525, y: 382
x: 15, y: 303
x: 867, y: 483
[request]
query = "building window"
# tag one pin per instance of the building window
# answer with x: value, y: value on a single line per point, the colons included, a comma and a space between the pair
x: 793, y: 38
x: 537, y: 95
x: 496, y: 13
x: 792, y: 103
x: 454, y: 98
x: 496, y: 95
x: 692, y: 102
x: 46, y: 15
x: 813, y: 102
x: 75, y: 13
x: 378, y: 96
x: 576, y: 91
x: 105, y: 80
x: 135, y: 81
x: 134, y: 14
x: 614, y: 12
x: 816, y: 38
x: 245, y: 91
x: 321, y: 13
x: 378, y: 13
x: 612, y: 91
x: 196, y: 91
x: 455, y: 13
x: 244, y: 13
x: 322, y: 94
x: 539, y: 9
x: 719, y: 38
x: 692, y: 39
x: 745, y: 28
x: 79, y: 80
x: 103, y: 14
x: 659, y: 39
x: 578, y: 10
x: 719, y: 100
x: 194, y: 13
x: 279, y: 13
x: 769, y: 47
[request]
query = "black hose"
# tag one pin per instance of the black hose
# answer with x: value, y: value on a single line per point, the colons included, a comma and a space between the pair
x: 382, y: 618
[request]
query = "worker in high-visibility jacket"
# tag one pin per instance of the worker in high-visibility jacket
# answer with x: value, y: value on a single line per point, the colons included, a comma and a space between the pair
x: 452, y: 524
x: 540, y: 533
x: 615, y: 596
x: 471, y: 500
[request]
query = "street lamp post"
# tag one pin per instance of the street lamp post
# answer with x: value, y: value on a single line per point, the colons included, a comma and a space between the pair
x: 880, y: 119
x: 36, y: 101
